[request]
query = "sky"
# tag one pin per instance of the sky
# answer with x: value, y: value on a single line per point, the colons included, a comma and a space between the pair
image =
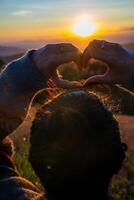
x: 52, y: 20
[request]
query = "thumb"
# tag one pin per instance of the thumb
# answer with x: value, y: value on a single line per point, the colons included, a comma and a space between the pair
x: 98, y: 79
x: 65, y: 84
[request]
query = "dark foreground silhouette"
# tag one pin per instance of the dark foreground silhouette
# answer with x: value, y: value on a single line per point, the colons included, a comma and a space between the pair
x: 75, y: 151
x: 76, y: 147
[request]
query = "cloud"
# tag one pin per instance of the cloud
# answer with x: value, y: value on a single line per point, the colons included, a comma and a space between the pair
x: 21, y: 13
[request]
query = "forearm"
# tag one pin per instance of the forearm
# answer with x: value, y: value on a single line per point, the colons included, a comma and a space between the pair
x: 19, y: 82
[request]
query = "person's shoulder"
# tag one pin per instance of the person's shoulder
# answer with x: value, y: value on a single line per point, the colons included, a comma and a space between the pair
x: 19, y: 188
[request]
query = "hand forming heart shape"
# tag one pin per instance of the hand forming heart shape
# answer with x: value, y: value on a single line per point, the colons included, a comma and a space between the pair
x: 120, y: 62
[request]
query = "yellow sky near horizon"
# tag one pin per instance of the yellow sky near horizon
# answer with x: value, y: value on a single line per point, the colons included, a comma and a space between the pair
x: 54, y: 20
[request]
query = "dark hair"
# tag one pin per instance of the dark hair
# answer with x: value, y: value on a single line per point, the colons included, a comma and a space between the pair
x: 75, y: 146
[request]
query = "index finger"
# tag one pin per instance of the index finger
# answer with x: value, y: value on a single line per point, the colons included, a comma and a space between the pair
x: 67, y: 53
x: 65, y: 84
x: 85, y: 58
x: 96, y: 49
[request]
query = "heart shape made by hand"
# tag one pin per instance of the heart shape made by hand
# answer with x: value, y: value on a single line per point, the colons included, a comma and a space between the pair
x: 119, y: 62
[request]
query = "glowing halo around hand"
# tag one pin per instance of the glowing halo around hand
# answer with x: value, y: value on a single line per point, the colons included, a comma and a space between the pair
x: 84, y: 28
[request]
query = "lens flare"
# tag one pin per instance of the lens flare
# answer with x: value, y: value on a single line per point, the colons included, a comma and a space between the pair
x: 84, y: 28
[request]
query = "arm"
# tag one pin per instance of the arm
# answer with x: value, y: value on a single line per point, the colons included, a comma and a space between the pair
x: 22, y: 79
x: 19, y: 82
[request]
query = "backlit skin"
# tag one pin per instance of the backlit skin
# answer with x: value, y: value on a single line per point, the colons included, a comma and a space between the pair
x: 18, y: 85
x: 53, y: 55
x: 120, y: 63
x: 22, y: 79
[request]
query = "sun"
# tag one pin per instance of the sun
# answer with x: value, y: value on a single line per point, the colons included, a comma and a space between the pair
x: 84, y: 27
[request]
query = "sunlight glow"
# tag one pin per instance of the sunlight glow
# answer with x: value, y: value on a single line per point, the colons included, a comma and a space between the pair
x: 84, y: 27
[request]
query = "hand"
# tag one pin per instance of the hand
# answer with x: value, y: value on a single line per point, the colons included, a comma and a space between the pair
x: 48, y: 58
x: 120, y: 62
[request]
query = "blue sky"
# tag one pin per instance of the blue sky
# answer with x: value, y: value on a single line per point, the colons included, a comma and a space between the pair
x: 21, y: 18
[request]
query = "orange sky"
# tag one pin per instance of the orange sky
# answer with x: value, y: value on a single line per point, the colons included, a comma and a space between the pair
x: 54, y: 20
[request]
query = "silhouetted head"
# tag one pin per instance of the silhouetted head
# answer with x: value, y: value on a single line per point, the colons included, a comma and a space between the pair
x: 75, y: 146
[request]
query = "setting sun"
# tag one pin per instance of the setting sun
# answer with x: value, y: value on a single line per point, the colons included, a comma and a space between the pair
x: 84, y: 28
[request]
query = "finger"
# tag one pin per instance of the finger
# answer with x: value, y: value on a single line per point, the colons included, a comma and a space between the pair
x: 87, y: 54
x: 65, y: 84
x: 74, y: 56
x: 55, y: 76
x: 96, y: 49
x: 78, y: 62
x: 70, y: 54
x: 75, y: 84
x: 85, y: 58
x: 50, y: 84
x: 98, y: 79
x: 57, y: 80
